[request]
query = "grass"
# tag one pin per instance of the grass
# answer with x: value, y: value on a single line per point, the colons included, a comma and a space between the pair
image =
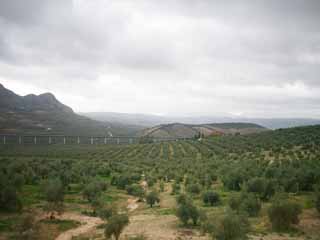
x: 63, y: 225
x: 31, y: 195
x: 7, y: 224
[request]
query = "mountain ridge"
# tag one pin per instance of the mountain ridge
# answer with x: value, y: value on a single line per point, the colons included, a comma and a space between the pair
x: 45, y: 114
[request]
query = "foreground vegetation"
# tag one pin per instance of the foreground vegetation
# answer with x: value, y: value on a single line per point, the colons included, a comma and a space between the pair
x: 220, y: 187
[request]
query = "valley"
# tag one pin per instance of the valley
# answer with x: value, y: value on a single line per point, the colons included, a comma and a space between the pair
x: 284, y: 161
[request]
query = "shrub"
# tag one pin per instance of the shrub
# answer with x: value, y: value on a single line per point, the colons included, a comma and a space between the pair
x: 251, y: 204
x: 230, y: 227
x: 194, y: 188
x: 9, y: 199
x: 26, y: 228
x: 235, y: 203
x: 107, y: 212
x: 283, y: 213
x: 93, y: 190
x: 135, y: 190
x: 182, y: 199
x: 262, y: 187
x: 211, y: 198
x: 175, y: 188
x: 115, y: 226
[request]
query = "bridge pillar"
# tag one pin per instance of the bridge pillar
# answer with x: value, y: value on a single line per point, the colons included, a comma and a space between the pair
x: 78, y: 140
x: 118, y: 140
x: 20, y: 140
x: 35, y: 139
x: 105, y: 140
x: 91, y: 140
x: 4, y: 140
x: 130, y: 140
x: 64, y: 140
x: 50, y: 140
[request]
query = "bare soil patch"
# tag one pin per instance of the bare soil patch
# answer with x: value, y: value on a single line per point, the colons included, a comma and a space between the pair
x: 89, y: 224
x: 163, y: 227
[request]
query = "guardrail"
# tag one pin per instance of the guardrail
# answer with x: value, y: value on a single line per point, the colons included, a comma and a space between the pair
x: 90, y: 140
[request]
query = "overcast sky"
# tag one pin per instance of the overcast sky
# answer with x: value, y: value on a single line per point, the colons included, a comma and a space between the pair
x: 177, y: 57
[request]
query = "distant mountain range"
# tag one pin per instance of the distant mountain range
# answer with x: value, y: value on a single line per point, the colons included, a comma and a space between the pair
x: 145, y: 120
x: 44, y: 114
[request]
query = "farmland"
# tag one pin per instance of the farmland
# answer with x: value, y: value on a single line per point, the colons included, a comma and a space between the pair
x: 261, y: 166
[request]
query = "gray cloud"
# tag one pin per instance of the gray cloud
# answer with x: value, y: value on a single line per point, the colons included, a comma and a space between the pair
x: 171, y: 57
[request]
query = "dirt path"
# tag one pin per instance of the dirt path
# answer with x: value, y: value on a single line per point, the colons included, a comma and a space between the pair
x: 87, y: 224
x: 132, y: 204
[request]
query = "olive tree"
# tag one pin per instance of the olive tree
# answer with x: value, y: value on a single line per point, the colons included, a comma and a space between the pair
x: 116, y: 225
x: 54, y: 194
x: 152, y: 198
x: 283, y: 213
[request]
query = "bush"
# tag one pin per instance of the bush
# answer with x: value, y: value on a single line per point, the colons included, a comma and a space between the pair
x: 262, y: 187
x: 235, y: 203
x: 115, y: 226
x: 175, y: 188
x: 283, y: 213
x: 9, y: 199
x: 93, y: 190
x: 107, y: 212
x: 251, y: 204
x: 187, y: 211
x: 135, y: 190
x: 211, y: 198
x: 230, y: 227
x: 194, y: 189
x: 182, y: 199
x: 26, y: 228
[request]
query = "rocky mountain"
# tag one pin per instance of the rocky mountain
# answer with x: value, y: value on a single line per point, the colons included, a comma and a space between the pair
x: 179, y: 130
x: 44, y: 114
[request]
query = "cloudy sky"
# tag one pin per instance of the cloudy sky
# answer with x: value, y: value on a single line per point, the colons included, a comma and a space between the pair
x: 177, y: 57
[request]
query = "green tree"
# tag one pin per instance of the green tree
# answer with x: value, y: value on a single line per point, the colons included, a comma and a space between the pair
x: 235, y: 203
x: 93, y: 191
x: 175, y: 188
x: 187, y: 211
x: 211, y: 198
x: 152, y: 198
x: 135, y: 190
x: 251, y: 204
x: 194, y: 188
x: 230, y: 227
x: 283, y: 213
x: 54, y: 195
x: 116, y: 225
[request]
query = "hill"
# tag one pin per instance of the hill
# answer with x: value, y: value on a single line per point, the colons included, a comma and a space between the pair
x: 179, y: 130
x: 44, y: 114
x: 149, y: 120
